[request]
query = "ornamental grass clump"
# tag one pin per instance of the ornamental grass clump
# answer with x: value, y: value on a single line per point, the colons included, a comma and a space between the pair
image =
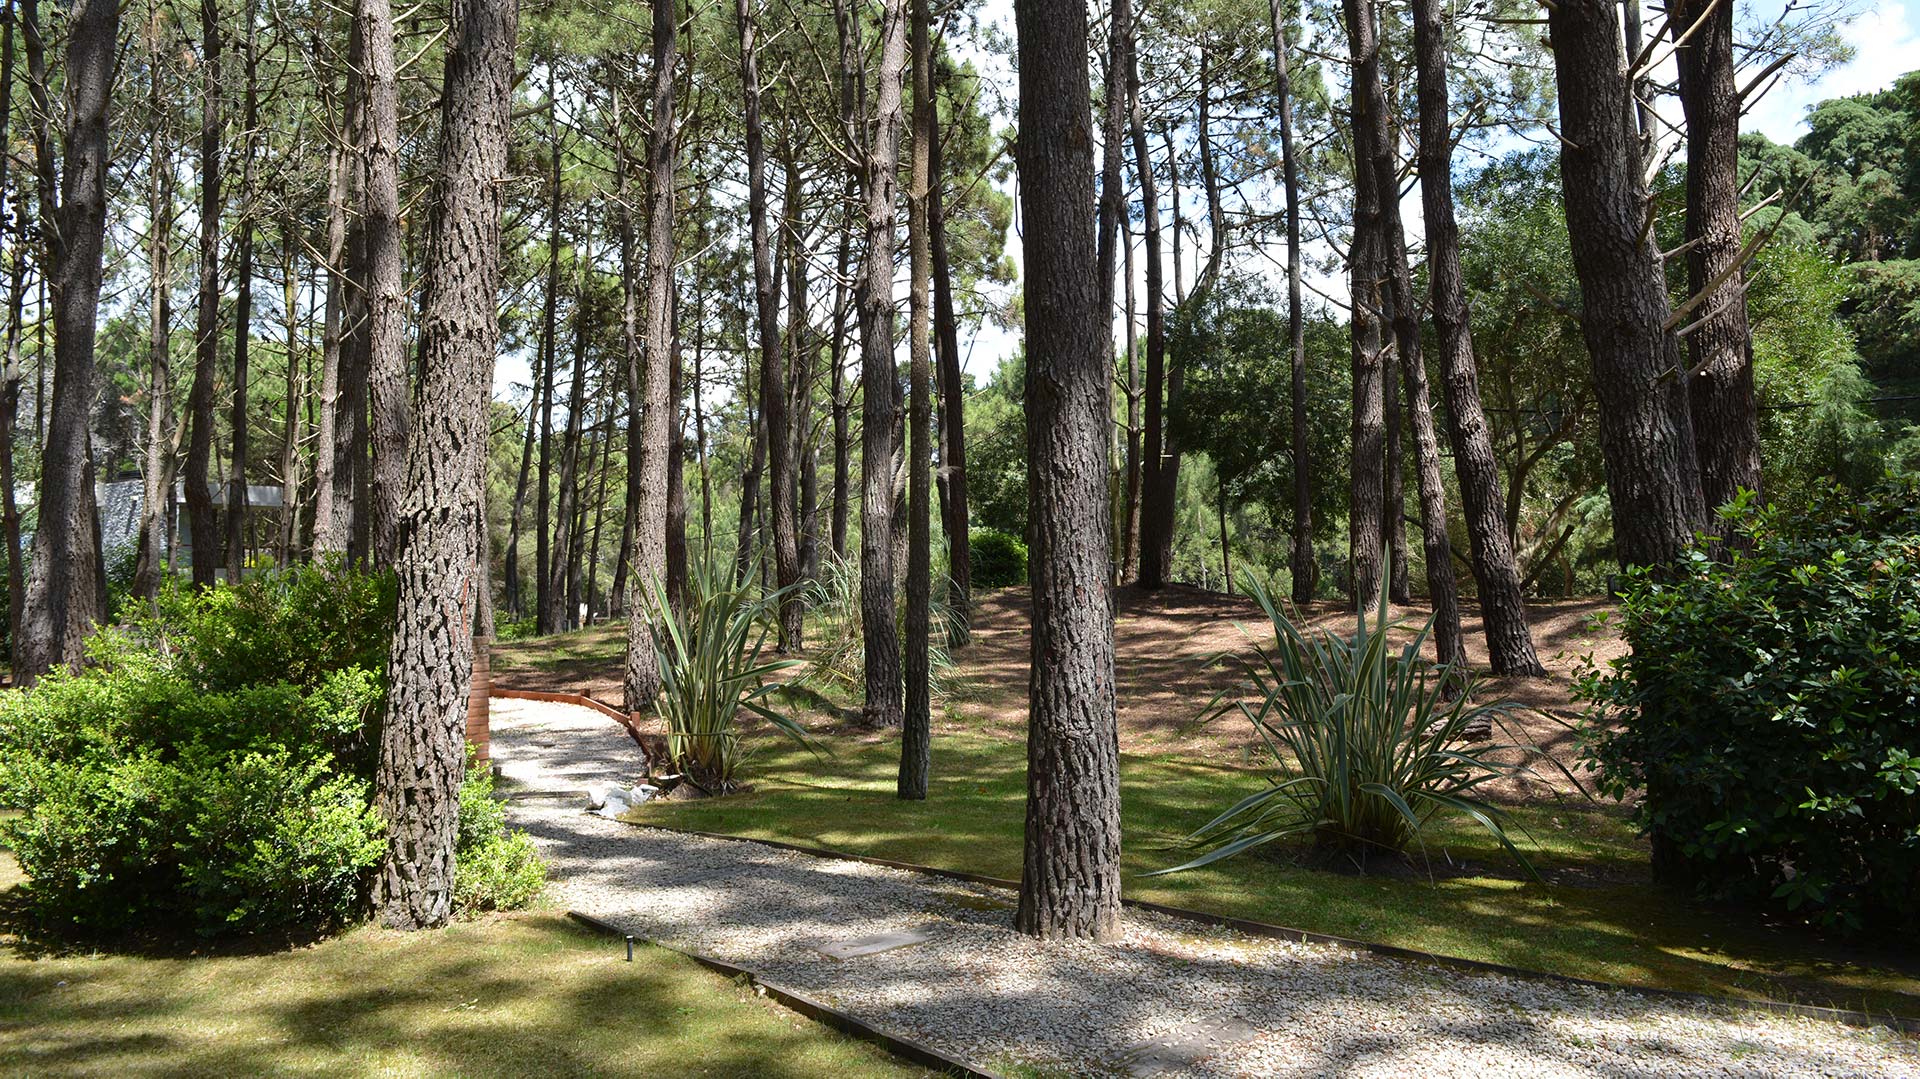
x: 1369, y: 744
x: 709, y: 652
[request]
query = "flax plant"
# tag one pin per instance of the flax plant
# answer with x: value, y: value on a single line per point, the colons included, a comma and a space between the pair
x: 711, y: 669
x: 1369, y: 743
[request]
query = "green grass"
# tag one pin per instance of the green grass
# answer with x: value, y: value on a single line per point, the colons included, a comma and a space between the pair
x: 528, y: 994
x: 1613, y: 925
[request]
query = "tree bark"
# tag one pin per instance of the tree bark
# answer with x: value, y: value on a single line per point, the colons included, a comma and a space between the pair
x: 11, y: 375
x: 157, y: 474
x: 1503, y: 609
x: 842, y: 406
x: 773, y: 373
x: 679, y: 583
x: 1646, y: 434
x: 206, y: 362
x: 1366, y: 536
x: 916, y: 753
x: 883, y: 707
x: 386, y: 298
x: 546, y: 603
x: 1300, y: 559
x: 1152, y: 554
x: 1720, y: 348
x: 563, y: 588
x: 63, y: 596
x: 1070, y: 874
x: 653, y: 382
x: 422, y: 752
x: 329, y: 491
x: 242, y: 312
x: 953, y: 400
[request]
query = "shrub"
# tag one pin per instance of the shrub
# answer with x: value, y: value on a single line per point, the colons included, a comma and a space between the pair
x: 1368, y: 743
x: 493, y: 869
x: 710, y: 668
x: 1770, y: 710
x: 999, y: 559
x: 837, y: 655
x: 210, y: 767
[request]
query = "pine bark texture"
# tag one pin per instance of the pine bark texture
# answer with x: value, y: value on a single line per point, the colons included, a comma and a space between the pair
x: 1503, y: 609
x: 1070, y: 875
x: 1366, y: 536
x: 773, y: 373
x: 916, y: 733
x: 884, y: 706
x: 422, y: 748
x: 1646, y: 433
x: 650, y: 523
x: 62, y: 590
x: 201, y: 519
x: 386, y: 333
x: 1720, y: 348
x: 953, y: 402
x: 1300, y: 560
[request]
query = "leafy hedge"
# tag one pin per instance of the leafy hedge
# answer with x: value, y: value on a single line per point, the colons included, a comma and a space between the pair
x: 999, y: 559
x: 1770, y: 711
x: 212, y: 767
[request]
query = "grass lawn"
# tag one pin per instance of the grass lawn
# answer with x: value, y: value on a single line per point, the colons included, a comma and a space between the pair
x: 1600, y: 919
x: 528, y: 994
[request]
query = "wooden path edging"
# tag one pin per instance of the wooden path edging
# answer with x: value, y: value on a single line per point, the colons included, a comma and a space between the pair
x: 903, y: 1047
x: 1846, y: 1016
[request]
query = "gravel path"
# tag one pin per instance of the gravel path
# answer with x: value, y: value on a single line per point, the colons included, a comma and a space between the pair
x: 1170, y: 997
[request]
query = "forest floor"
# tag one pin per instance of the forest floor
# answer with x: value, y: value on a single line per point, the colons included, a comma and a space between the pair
x: 1165, y: 642
x: 1461, y: 896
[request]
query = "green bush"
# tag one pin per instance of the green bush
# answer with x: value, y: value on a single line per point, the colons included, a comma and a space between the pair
x: 999, y: 559
x: 210, y: 767
x: 493, y: 869
x: 1770, y: 711
x: 1369, y: 743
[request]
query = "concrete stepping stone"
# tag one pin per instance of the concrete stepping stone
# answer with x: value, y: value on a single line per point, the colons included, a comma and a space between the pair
x: 1185, y: 1045
x: 873, y: 945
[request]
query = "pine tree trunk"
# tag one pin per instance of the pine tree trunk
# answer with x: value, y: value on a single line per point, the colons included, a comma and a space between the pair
x: 11, y: 374
x: 1070, y: 876
x: 386, y: 334
x: 422, y: 749
x: 1300, y: 560
x: 652, y: 386
x: 563, y: 586
x: 916, y: 752
x: 679, y: 583
x: 63, y: 597
x: 773, y: 373
x: 1646, y: 434
x: 953, y: 402
x: 1152, y: 555
x: 157, y: 471
x: 1503, y: 608
x: 1366, y: 534
x: 842, y: 406
x: 1720, y: 348
x: 329, y: 491
x: 883, y: 706
x: 291, y: 489
x: 545, y: 603
x: 242, y: 314
x: 206, y: 356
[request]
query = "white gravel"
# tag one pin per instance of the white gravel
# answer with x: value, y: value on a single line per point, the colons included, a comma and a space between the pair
x: 983, y: 993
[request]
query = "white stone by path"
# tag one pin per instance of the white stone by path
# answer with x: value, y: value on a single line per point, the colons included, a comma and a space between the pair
x: 1168, y: 998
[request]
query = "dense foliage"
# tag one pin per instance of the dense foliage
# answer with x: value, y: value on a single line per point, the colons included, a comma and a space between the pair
x: 1770, y: 711
x: 999, y: 559
x: 211, y: 767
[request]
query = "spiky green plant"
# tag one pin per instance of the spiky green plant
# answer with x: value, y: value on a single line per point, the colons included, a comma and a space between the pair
x: 711, y: 669
x: 837, y: 656
x: 1369, y: 743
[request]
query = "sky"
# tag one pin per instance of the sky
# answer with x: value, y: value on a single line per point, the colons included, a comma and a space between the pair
x: 1885, y: 39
